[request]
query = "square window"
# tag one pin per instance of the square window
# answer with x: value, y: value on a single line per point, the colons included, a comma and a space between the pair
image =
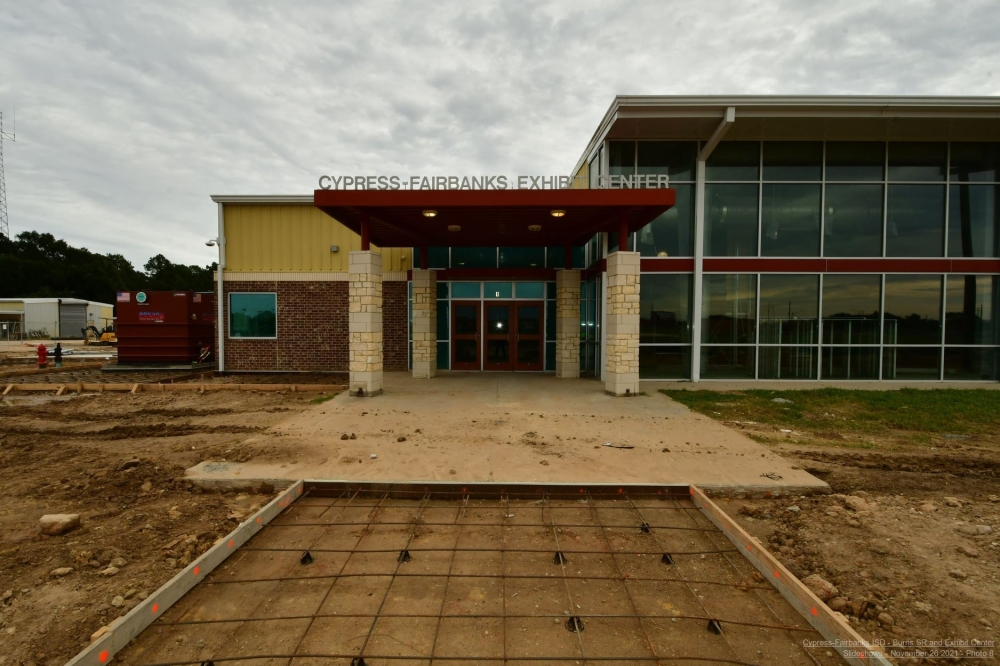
x: 253, y: 315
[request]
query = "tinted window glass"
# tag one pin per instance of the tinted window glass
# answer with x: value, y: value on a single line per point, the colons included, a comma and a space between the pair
x: 556, y: 257
x: 727, y: 362
x: 970, y: 310
x: 971, y: 363
x: 522, y: 257
x: 669, y: 235
x: 790, y: 220
x: 917, y: 161
x: 465, y: 290
x: 437, y: 256
x: 912, y: 309
x: 915, y: 221
x: 734, y: 160
x: 253, y: 315
x: 905, y: 363
x: 729, y: 308
x: 443, y: 321
x: 664, y: 307
x: 789, y: 309
x: 621, y: 158
x: 731, y: 220
x: 787, y: 362
x: 852, y: 226
x: 793, y: 160
x: 855, y: 160
x: 529, y: 289
x: 849, y: 363
x: 674, y: 158
x: 851, y: 305
x: 498, y: 290
x: 473, y: 257
x: 664, y: 362
x: 975, y: 162
x: 974, y: 221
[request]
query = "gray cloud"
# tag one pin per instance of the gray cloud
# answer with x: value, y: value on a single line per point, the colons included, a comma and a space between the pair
x: 130, y: 115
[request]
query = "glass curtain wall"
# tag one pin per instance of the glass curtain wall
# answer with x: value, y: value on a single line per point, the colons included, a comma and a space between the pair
x: 665, y: 326
x: 845, y: 326
x: 671, y: 234
x: 852, y: 199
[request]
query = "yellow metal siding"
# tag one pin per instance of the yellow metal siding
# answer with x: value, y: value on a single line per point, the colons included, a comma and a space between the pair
x: 580, y: 180
x: 294, y: 237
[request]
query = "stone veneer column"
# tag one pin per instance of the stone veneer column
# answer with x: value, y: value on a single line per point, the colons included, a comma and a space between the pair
x: 424, y: 323
x: 365, y: 324
x: 621, y: 375
x: 567, y: 324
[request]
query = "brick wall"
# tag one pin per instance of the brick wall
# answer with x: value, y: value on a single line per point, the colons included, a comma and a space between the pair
x: 313, y: 328
x: 394, y: 326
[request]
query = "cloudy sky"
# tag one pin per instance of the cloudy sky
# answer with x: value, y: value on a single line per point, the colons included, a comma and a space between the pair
x: 130, y: 115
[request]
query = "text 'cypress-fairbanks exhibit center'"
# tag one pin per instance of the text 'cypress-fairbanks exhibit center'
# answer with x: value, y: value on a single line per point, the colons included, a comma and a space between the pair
x: 698, y: 238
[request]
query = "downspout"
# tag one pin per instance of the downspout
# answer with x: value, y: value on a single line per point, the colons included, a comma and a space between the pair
x: 699, y: 238
x: 220, y: 352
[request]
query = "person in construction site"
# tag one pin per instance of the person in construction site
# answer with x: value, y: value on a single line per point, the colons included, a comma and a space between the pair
x: 43, y: 355
x: 57, y: 354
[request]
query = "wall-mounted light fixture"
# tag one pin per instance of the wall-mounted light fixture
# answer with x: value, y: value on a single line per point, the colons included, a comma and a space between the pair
x: 334, y: 248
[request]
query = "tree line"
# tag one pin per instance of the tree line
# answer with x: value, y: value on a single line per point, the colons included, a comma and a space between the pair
x: 37, y: 265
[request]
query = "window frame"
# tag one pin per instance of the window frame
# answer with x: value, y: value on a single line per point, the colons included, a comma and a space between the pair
x: 229, y: 315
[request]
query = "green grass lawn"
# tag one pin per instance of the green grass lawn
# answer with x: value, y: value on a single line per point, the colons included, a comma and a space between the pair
x: 832, y: 413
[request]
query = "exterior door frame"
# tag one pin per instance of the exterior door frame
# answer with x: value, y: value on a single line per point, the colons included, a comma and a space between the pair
x: 456, y: 337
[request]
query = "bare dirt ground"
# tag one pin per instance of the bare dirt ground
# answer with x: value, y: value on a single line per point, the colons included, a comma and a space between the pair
x: 890, y: 540
x: 118, y: 460
x: 911, y: 535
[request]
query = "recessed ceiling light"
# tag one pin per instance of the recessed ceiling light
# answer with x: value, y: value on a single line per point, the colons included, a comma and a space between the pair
x: 454, y: 227
x: 430, y: 213
x: 557, y: 213
x: 534, y: 227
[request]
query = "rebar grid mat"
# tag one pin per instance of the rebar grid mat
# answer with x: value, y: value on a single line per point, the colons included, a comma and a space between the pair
x: 384, y: 574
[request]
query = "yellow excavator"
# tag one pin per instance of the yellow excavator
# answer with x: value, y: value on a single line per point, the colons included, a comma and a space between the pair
x: 105, y: 337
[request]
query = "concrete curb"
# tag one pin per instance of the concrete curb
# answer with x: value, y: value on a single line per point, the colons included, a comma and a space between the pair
x: 839, y: 635
x: 125, y: 628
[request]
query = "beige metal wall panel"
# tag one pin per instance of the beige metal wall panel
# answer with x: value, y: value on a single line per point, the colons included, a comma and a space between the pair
x: 293, y: 237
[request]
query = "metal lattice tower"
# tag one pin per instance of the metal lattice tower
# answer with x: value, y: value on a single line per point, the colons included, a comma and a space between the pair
x: 4, y: 226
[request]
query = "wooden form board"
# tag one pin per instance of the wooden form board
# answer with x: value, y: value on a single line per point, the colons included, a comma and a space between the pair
x: 833, y: 627
x: 53, y: 370
x: 126, y: 628
x: 80, y: 387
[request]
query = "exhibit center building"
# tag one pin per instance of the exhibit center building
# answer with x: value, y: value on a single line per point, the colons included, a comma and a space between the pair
x: 696, y: 238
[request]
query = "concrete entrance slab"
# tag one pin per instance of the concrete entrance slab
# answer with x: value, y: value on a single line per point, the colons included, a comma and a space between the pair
x: 505, y: 427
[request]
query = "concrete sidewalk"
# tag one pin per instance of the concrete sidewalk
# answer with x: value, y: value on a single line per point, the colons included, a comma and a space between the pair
x: 498, y: 427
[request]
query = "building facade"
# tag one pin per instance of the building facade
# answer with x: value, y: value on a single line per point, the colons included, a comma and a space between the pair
x: 808, y: 238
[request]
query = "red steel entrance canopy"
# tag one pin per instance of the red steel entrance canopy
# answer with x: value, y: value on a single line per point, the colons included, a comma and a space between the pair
x: 481, y: 218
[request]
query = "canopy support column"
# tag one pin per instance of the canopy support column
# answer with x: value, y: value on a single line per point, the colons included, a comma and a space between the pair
x: 424, y: 324
x: 568, y: 324
x: 365, y: 323
x: 621, y: 327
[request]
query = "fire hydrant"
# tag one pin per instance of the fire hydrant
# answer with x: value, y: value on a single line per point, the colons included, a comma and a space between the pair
x: 43, y: 355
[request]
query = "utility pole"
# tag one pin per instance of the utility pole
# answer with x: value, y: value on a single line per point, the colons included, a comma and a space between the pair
x: 4, y: 226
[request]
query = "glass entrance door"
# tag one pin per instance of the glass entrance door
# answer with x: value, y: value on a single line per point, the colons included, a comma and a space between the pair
x: 497, y: 340
x: 513, y: 336
x: 465, y: 335
x: 528, y: 337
